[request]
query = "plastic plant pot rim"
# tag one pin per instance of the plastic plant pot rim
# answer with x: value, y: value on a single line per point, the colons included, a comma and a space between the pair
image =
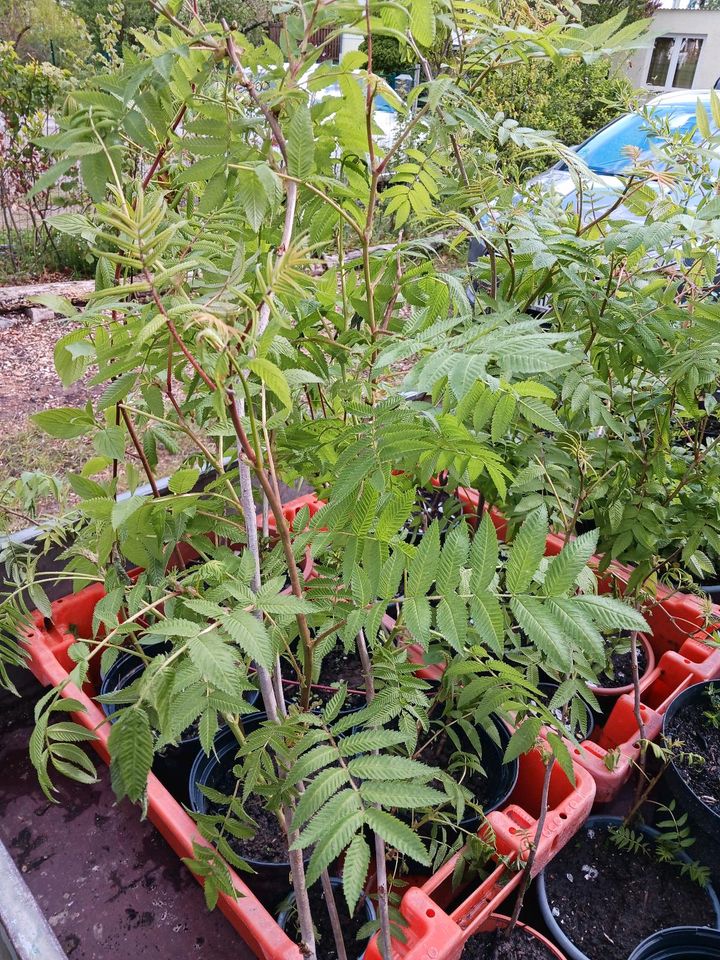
x: 675, y: 942
x: 504, y: 732
x: 628, y: 687
x: 496, y: 920
x: 337, y: 884
x: 202, y: 768
x: 554, y: 927
x: 687, y: 696
x: 110, y: 684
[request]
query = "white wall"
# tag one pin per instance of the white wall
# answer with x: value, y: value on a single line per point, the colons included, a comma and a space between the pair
x: 702, y: 23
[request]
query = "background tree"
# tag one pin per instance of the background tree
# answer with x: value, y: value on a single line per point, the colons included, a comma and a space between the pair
x: 635, y: 10
x: 42, y: 30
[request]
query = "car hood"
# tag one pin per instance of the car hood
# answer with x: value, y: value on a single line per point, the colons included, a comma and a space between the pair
x: 599, y: 194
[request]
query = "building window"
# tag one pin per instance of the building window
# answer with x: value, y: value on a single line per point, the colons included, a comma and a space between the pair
x: 674, y: 61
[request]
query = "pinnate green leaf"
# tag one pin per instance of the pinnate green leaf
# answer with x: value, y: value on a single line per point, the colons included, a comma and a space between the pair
x: 527, y: 551
x: 397, y: 834
x: 564, y: 569
x: 484, y: 555
x: 355, y: 868
x: 131, y: 748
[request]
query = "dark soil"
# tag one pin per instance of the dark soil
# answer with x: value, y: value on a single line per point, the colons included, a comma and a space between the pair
x: 337, y: 666
x: 607, y: 901
x: 268, y: 845
x: 439, y: 753
x: 699, y: 736
x: 620, y: 673
x: 433, y: 504
x: 325, y: 940
x: 496, y: 946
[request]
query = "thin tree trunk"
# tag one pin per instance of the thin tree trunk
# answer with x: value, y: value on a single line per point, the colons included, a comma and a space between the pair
x: 380, y: 858
x: 297, y: 867
x: 333, y: 913
x: 527, y: 873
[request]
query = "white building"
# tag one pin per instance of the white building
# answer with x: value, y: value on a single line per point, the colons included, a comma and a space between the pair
x: 683, y: 52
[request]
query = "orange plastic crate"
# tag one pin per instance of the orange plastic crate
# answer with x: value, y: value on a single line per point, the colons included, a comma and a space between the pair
x: 438, y: 931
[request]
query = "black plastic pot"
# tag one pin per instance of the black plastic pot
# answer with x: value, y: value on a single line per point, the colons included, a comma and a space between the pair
x: 271, y: 881
x: 365, y: 903
x: 680, y: 943
x: 556, y: 931
x: 712, y: 590
x: 698, y: 811
x: 501, y: 778
x: 172, y: 765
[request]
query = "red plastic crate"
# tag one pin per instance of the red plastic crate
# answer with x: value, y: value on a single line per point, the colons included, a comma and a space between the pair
x: 682, y: 658
x: 438, y: 931
x: 49, y: 661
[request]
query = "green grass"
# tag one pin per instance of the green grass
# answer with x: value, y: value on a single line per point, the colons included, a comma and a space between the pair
x: 25, y: 258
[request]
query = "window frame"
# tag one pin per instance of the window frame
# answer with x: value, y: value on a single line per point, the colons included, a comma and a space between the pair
x: 677, y: 39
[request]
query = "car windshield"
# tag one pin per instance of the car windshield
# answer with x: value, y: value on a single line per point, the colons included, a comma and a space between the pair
x: 606, y: 152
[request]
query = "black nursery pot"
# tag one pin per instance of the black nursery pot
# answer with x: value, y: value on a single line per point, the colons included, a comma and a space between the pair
x: 365, y: 907
x: 500, y: 777
x: 172, y: 765
x: 586, y: 895
x: 712, y: 590
x: 271, y: 880
x: 699, y: 812
x: 680, y: 943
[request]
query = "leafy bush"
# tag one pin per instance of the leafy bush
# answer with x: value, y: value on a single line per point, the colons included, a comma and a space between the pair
x: 573, y: 100
x: 243, y: 303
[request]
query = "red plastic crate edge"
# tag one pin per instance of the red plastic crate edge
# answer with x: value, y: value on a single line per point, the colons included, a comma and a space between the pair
x: 434, y: 933
x: 246, y: 914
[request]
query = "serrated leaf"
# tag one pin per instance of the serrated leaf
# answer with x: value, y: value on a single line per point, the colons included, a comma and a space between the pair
x: 397, y: 834
x: 251, y: 636
x: 366, y: 740
x: 301, y: 143
x: 117, y: 390
x: 131, y: 747
x: 562, y: 755
x: 183, y: 481
x: 405, y: 796
x: 540, y: 414
x: 537, y: 621
x: 483, y: 555
x: 387, y: 767
x: 564, y: 569
x: 355, y: 868
x: 523, y: 739
x: 452, y: 621
x: 175, y: 627
x: 124, y: 509
x: 215, y: 660
x: 502, y: 416
x: 423, y: 566
x: 65, y: 423
x: 489, y: 621
x: 110, y: 443
x: 422, y: 22
x: 453, y: 558
x: 611, y: 614
x: 273, y: 378
x: 333, y: 842
x: 325, y: 786
x: 527, y: 551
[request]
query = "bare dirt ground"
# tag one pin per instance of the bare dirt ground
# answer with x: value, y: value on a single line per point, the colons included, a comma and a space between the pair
x: 29, y: 384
